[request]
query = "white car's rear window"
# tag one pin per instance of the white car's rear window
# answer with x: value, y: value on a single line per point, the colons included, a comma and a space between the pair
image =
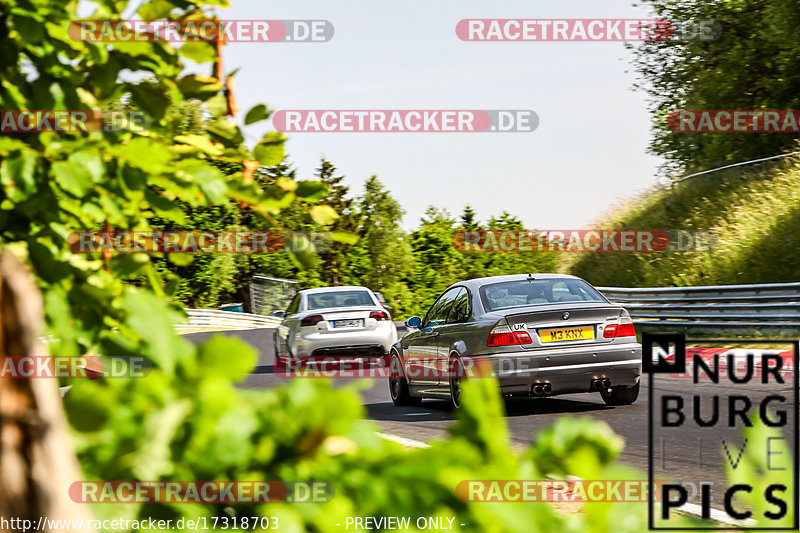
x: 323, y: 300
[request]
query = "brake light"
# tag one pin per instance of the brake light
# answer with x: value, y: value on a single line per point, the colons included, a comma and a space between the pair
x: 379, y: 315
x: 311, y: 320
x: 623, y: 329
x: 503, y: 336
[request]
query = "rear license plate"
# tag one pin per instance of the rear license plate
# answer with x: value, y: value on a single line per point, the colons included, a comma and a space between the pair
x: 567, y: 334
x: 352, y: 323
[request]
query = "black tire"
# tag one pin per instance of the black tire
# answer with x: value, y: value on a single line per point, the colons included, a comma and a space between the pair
x: 456, y: 376
x: 285, y: 362
x: 279, y: 360
x: 398, y: 386
x: 282, y: 364
x: 621, y: 395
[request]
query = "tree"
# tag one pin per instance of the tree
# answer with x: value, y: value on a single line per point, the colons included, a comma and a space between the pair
x: 438, y: 263
x: 335, y: 258
x: 505, y: 221
x: 36, y: 467
x: 468, y: 219
x: 751, y: 66
x: 480, y: 264
x: 382, y: 257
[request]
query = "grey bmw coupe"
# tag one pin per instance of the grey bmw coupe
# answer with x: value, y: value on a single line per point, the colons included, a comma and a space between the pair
x: 538, y: 334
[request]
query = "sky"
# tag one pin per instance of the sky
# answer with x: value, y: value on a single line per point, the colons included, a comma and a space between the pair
x: 588, y: 153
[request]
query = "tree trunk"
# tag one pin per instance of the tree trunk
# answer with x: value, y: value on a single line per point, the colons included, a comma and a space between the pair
x: 37, y: 464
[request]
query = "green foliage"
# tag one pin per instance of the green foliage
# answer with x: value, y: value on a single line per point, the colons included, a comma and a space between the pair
x: 438, y: 263
x: 186, y: 159
x: 187, y: 420
x: 576, y: 445
x: 256, y: 113
x: 364, y: 245
x: 752, y: 211
x: 383, y: 242
x: 765, y: 461
x: 753, y: 65
x: 479, y: 264
x: 191, y: 423
x: 269, y: 151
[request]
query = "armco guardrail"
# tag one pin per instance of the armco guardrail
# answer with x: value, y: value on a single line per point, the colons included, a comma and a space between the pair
x: 213, y: 318
x: 724, y: 308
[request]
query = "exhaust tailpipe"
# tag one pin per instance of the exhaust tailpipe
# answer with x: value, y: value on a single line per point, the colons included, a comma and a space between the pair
x: 538, y: 389
x: 597, y: 384
x: 548, y: 388
x: 606, y: 383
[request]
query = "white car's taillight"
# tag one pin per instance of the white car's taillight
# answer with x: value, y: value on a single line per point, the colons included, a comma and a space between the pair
x: 311, y: 320
x: 379, y: 315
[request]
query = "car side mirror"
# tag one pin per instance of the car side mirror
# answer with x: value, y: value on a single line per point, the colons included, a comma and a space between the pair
x: 413, y: 322
x: 279, y: 314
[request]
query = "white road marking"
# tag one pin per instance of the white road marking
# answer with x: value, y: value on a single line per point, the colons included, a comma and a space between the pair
x: 411, y: 443
x: 715, y: 514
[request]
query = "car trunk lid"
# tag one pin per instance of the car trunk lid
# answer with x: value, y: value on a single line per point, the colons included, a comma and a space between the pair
x: 565, y: 325
x: 347, y: 319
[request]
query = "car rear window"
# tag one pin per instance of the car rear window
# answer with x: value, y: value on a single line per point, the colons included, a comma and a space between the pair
x: 525, y: 293
x: 322, y: 300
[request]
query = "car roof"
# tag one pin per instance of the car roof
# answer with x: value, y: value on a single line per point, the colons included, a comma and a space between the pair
x: 479, y: 282
x: 334, y: 289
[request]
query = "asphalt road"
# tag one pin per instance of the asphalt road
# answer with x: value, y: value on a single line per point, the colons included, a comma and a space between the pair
x: 689, y: 453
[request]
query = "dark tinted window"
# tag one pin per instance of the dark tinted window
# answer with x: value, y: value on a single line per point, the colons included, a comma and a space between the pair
x: 461, y: 308
x: 355, y: 298
x: 294, y: 305
x: 437, y: 315
x: 537, y: 292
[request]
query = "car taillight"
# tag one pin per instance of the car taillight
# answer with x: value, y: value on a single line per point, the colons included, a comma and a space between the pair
x: 379, y: 315
x: 623, y: 329
x: 503, y: 336
x: 311, y: 320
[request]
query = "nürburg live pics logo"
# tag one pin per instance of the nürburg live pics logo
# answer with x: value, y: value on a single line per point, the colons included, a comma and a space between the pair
x: 723, y: 433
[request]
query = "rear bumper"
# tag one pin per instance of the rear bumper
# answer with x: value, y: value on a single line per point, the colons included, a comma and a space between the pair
x: 365, y: 343
x: 568, y: 370
x: 362, y: 350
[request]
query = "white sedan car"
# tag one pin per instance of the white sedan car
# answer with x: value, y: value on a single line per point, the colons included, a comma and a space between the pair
x: 339, y: 322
